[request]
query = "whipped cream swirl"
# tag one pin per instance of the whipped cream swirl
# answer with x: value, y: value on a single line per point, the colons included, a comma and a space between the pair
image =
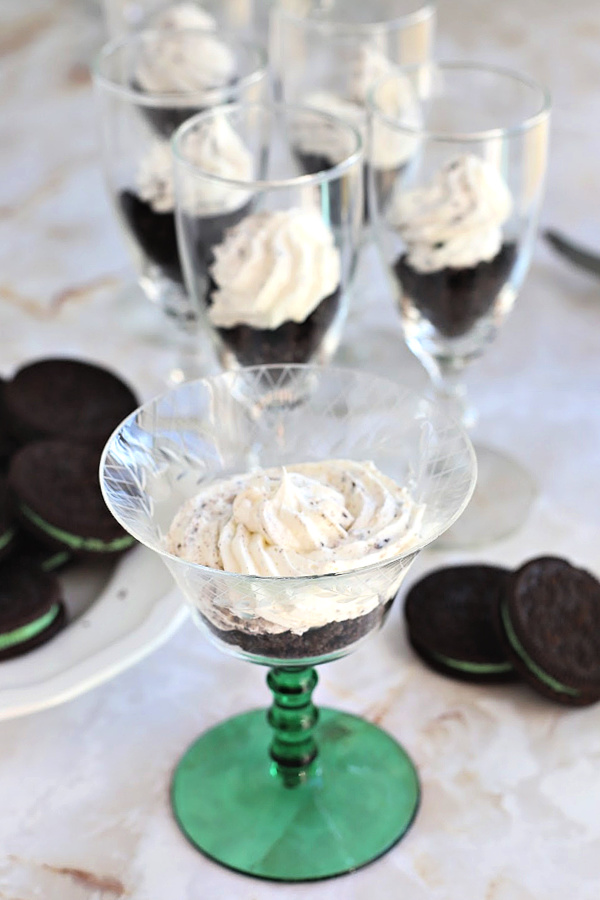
x: 306, y: 519
x: 273, y: 267
x: 182, y: 62
x: 456, y: 220
x: 318, y: 518
x: 183, y: 15
x: 215, y: 148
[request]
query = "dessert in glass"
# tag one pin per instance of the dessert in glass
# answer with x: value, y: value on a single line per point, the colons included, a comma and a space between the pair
x: 288, y: 503
x: 328, y: 56
x: 269, y: 252
x: 147, y: 85
x: 457, y: 231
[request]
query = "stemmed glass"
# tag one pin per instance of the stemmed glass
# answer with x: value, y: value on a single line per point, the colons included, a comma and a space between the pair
x: 297, y: 793
x: 148, y: 84
x: 457, y: 229
x: 327, y: 55
x: 271, y: 259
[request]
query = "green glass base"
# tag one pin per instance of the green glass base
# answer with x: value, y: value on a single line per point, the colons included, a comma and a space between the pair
x: 353, y: 803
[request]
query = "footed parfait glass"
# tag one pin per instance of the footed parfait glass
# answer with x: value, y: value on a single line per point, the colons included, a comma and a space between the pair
x: 268, y: 251
x: 457, y: 228
x: 294, y: 793
x: 147, y: 84
x: 328, y: 55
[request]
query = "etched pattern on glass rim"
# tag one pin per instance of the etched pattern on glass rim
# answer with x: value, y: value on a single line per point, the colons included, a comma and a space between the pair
x: 269, y: 416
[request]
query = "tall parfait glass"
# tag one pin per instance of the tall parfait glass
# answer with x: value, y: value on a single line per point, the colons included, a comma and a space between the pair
x: 457, y: 228
x: 327, y: 55
x: 147, y: 84
x: 268, y: 251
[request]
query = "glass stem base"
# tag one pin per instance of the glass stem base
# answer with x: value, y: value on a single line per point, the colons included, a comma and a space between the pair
x: 500, y: 504
x: 295, y: 794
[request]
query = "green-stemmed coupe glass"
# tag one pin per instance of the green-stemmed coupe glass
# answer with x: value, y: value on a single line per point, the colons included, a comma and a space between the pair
x: 293, y: 793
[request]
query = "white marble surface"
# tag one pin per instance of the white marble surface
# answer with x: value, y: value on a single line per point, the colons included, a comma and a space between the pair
x: 511, y: 783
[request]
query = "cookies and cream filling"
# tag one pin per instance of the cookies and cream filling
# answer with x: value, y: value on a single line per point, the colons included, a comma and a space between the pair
x: 174, y: 61
x: 309, y: 519
x: 214, y: 148
x: 456, y: 220
x: 273, y: 267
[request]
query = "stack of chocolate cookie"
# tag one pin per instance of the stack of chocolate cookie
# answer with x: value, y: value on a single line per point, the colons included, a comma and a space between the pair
x: 55, y: 417
x: 540, y: 622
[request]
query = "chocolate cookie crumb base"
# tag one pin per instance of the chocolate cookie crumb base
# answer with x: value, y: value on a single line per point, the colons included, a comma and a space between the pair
x: 320, y: 641
x: 292, y: 342
x: 454, y: 299
x: 155, y: 233
x: 165, y: 119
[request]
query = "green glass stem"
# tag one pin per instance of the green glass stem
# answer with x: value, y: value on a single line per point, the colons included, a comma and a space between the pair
x: 293, y: 718
x: 278, y: 794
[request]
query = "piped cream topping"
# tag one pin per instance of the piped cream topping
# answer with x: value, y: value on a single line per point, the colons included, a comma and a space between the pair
x: 306, y: 519
x: 215, y: 148
x: 455, y: 220
x: 181, y: 62
x: 273, y: 267
x: 184, y: 15
x: 317, y: 518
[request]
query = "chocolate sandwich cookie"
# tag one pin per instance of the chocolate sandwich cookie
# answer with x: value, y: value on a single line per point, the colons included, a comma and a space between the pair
x: 57, y: 498
x: 66, y: 399
x: 31, y: 608
x: 550, y: 617
x: 451, y: 620
x: 32, y: 551
x: 7, y: 443
x: 8, y: 527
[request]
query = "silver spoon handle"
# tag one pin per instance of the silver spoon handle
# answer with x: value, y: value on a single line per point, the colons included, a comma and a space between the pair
x: 577, y: 255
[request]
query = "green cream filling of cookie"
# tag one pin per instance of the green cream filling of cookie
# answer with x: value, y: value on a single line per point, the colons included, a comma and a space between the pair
x: 531, y: 665
x: 7, y: 537
x: 56, y: 560
x: 26, y: 632
x: 473, y: 668
x: 75, y: 541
